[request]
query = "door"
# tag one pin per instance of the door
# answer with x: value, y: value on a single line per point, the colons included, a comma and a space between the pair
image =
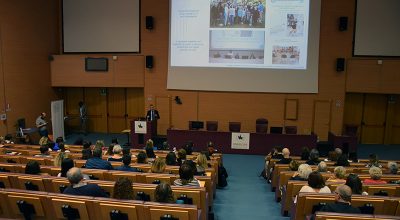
x: 116, y: 110
x: 163, y: 105
x: 322, y: 119
x: 72, y: 97
x: 96, y: 104
x: 393, y: 120
x: 374, y: 119
x: 134, y: 104
x: 353, y: 111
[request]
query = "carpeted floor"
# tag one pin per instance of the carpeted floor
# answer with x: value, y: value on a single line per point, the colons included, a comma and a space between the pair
x: 248, y: 196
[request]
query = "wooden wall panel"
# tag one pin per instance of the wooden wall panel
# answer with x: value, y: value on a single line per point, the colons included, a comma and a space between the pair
x: 322, y: 118
x: 116, y: 110
x: 135, y: 103
x: 129, y: 71
x: 374, y: 119
x: 96, y: 104
x: 391, y: 76
x: 363, y: 76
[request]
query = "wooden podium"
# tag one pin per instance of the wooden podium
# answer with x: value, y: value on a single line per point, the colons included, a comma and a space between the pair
x: 138, y: 140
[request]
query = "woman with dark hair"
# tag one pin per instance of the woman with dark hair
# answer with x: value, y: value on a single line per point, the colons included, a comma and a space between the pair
x: 186, y: 176
x: 86, y: 153
x: 316, y: 184
x: 170, y: 159
x: 32, y: 167
x: 181, y: 156
x: 150, y: 152
x: 123, y: 189
x: 163, y: 193
x: 342, y: 161
x: 66, y: 164
x: 141, y: 157
x: 354, y: 182
x: 110, y: 150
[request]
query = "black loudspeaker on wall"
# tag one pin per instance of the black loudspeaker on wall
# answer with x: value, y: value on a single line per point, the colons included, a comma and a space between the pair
x: 149, y: 22
x: 340, y: 62
x: 343, y: 23
x: 149, y: 62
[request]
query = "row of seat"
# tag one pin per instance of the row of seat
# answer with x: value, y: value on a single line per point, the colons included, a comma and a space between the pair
x: 19, y: 204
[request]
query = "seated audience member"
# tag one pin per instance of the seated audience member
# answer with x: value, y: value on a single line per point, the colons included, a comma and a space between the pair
x: 294, y: 165
x: 57, y: 143
x: 151, y: 156
x: 59, y: 158
x: 305, y: 153
x: 188, y: 148
x: 96, y: 162
x: 123, y: 189
x: 354, y: 182
x: 44, y: 152
x: 163, y: 193
x: 181, y: 156
x: 100, y: 143
x: 393, y: 168
x: 158, y: 166
x: 86, y: 144
x: 316, y: 184
x: 186, y: 176
x: 126, y: 151
x: 8, y: 139
x: 339, y: 175
x: 61, y: 148
x: 170, y: 159
x: 114, y: 141
x: 117, y: 154
x: 332, y: 156
x: 210, y: 149
x: 110, y: 150
x: 314, y: 157
x: 201, y: 165
x: 286, y: 157
x: 302, y: 173
x: 276, y: 153
x: 322, y: 167
x: 126, y: 160
x: 373, y: 161
x: 86, y: 154
x: 342, y: 201
x: 342, y: 161
x: 376, y: 174
x: 141, y: 157
x: 44, y: 141
x: 66, y: 164
x: 33, y: 167
x: 338, y: 152
x: 79, y: 187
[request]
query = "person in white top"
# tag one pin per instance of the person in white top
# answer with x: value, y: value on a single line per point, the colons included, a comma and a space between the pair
x: 316, y: 184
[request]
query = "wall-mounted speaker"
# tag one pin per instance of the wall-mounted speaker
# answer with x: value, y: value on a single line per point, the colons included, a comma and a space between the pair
x: 149, y: 22
x: 340, y: 64
x: 149, y: 62
x: 343, y: 23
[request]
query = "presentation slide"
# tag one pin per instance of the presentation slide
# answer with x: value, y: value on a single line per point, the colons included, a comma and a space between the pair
x: 271, y: 34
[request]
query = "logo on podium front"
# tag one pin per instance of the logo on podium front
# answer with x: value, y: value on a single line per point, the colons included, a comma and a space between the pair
x: 140, y: 127
x: 240, y: 141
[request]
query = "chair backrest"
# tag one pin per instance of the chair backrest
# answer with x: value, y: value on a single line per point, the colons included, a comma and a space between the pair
x: 70, y: 208
x: 212, y: 125
x: 196, y: 125
x: 157, y: 211
x: 26, y: 206
x: 290, y: 129
x: 262, y: 121
x: 276, y: 130
x: 119, y: 210
x: 261, y: 128
x: 234, y: 126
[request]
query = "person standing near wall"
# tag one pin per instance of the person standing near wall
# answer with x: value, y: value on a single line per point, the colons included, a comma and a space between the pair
x: 41, y: 124
x: 83, y: 116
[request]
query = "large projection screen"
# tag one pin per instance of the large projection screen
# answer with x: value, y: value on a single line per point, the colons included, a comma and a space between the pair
x: 269, y: 48
x: 91, y: 26
x: 377, y: 30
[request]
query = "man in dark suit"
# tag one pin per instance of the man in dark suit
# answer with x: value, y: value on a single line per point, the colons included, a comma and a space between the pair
x: 152, y: 114
x: 342, y: 201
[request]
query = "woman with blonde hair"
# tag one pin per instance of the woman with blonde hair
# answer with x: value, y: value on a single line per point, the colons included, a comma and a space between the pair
x: 59, y: 158
x: 339, y: 175
x: 123, y: 189
x: 117, y: 154
x: 201, y: 164
x: 158, y: 165
x: 376, y: 174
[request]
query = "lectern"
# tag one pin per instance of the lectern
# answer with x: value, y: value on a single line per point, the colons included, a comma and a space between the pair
x: 141, y: 131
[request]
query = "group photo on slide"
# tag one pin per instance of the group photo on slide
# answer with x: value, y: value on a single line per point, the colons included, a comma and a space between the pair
x: 237, y: 13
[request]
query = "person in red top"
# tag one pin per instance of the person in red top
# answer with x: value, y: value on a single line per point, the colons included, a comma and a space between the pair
x: 376, y: 174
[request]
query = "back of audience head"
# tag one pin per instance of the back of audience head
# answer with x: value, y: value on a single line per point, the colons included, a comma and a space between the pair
x: 338, y: 152
x: 44, y: 150
x: 110, y: 149
x: 32, y: 167
x: 186, y: 173
x: 59, y: 140
x: 294, y: 165
x: 66, y: 164
x: 141, y: 157
x: 322, y: 167
x: 340, y: 172
x: 86, y: 144
x: 344, y: 193
x: 126, y: 151
x: 315, y: 180
x: 375, y: 173
x: 158, y: 165
x: 100, y: 143
x: 117, y: 149
x: 314, y: 155
x: 8, y: 138
x: 74, y: 175
x: 393, y: 167
x: 170, y: 159
x: 123, y: 189
x: 373, y: 160
x: 149, y: 143
x: 62, y: 147
x: 304, y: 171
x: 354, y: 182
x: 342, y: 161
x: 97, y: 152
x: 127, y: 159
x: 286, y: 152
x: 86, y: 154
x: 163, y: 193
x: 188, y: 148
x: 165, y: 145
x: 59, y: 158
x: 182, y: 154
x: 202, y: 161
